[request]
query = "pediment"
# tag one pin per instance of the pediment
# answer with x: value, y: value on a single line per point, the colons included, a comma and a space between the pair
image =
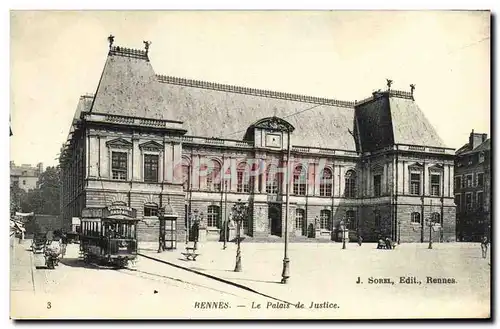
x: 436, y: 167
x: 377, y: 169
x: 151, y: 145
x: 274, y: 124
x: 119, y: 143
x: 416, y: 166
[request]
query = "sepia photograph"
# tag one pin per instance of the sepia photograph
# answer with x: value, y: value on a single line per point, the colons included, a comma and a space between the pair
x: 204, y: 164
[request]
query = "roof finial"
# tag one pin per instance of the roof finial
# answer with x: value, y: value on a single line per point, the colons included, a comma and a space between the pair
x: 412, y: 88
x: 389, y: 83
x: 111, y: 39
x: 146, y: 45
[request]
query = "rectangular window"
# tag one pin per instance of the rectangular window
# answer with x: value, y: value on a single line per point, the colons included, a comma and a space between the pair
x: 435, y: 185
x: 468, y: 179
x: 213, y: 216
x: 458, y: 202
x: 151, y: 168
x: 468, y: 201
x: 480, y: 201
x: 299, y: 219
x: 458, y: 182
x: 480, y: 179
x: 377, y: 185
x: 324, y: 219
x: 119, y: 165
x: 414, y: 184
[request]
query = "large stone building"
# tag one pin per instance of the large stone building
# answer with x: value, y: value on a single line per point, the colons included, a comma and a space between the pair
x: 473, y: 188
x: 25, y: 176
x: 145, y: 140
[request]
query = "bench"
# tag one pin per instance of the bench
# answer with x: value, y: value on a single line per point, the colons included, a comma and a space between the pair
x: 190, y: 253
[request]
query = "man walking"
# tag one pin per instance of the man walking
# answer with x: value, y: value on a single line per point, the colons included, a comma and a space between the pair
x: 484, y: 246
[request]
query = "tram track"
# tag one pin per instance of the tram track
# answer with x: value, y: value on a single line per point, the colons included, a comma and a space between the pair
x: 179, y: 283
x: 215, y: 278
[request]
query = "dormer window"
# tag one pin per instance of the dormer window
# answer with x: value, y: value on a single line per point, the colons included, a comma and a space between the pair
x: 481, y: 157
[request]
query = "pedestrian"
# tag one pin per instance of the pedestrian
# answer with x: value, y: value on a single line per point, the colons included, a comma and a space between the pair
x: 484, y: 246
x: 388, y: 243
x: 360, y: 240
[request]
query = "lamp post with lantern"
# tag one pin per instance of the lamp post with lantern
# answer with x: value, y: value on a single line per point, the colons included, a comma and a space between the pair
x: 430, y: 223
x: 240, y: 213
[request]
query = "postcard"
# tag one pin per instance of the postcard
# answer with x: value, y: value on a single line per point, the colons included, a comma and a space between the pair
x: 250, y: 165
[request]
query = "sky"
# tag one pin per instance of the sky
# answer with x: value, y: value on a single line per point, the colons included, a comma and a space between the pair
x: 57, y: 56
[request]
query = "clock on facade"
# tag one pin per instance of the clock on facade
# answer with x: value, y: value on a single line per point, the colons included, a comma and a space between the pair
x: 273, y: 140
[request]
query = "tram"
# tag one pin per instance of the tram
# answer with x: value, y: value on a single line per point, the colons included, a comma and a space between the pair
x: 109, y: 235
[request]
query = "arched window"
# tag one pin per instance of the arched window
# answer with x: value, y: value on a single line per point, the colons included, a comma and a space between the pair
x: 213, y: 216
x: 324, y: 219
x: 243, y: 179
x: 272, y: 180
x: 213, y: 176
x: 351, y: 219
x: 436, y: 218
x: 326, y: 183
x: 415, y: 218
x: 299, y: 181
x: 350, y: 184
x: 299, y: 219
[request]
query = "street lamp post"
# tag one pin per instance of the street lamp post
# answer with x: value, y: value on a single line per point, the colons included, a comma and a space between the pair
x: 285, y: 274
x: 226, y: 224
x: 343, y: 227
x: 430, y: 224
x: 239, y: 214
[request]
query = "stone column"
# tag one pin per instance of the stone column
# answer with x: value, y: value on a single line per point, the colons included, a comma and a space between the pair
x: 168, y: 162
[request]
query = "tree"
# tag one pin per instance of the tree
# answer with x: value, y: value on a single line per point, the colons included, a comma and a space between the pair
x: 17, y: 195
x: 45, y: 198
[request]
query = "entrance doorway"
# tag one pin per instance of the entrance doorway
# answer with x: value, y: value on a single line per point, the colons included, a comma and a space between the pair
x: 275, y: 219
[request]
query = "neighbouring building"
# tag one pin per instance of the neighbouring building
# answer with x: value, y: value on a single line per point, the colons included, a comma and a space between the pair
x: 25, y: 176
x: 473, y: 188
x: 146, y: 141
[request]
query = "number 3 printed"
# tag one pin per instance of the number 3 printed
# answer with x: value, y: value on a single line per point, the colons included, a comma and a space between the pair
x: 49, y: 305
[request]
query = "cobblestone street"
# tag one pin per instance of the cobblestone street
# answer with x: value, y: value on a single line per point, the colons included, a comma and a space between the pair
x: 322, y: 274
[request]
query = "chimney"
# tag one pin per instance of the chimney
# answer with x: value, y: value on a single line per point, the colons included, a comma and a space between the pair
x: 476, y: 139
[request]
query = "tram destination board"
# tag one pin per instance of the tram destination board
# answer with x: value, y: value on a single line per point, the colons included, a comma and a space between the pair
x: 120, y: 210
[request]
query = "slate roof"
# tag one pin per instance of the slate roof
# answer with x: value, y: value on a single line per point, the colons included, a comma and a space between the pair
x: 484, y: 146
x: 393, y: 117
x: 130, y: 87
x: 210, y: 111
x: 410, y: 126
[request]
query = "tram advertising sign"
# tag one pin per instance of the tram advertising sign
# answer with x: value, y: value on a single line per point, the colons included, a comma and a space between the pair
x: 115, y: 210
